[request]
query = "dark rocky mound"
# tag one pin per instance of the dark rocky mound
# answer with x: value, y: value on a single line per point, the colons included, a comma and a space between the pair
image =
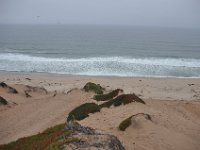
x: 122, y: 99
x: 3, y: 101
x: 8, y: 88
x: 82, y: 111
x: 127, y: 122
x: 108, y: 96
x: 89, y: 138
x: 96, y: 88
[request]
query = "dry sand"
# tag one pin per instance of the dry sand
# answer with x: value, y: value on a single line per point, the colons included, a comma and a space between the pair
x: 173, y: 103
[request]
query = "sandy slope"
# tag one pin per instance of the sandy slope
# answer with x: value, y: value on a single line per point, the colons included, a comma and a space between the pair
x: 174, y: 105
x: 32, y: 115
x: 175, y: 125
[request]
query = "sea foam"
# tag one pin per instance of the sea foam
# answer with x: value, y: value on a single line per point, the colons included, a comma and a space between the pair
x: 111, y: 66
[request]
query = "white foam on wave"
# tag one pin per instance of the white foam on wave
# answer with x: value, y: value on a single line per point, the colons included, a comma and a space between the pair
x: 179, y: 62
x: 117, y: 66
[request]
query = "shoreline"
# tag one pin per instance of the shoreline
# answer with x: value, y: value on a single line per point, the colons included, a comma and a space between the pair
x: 147, y: 87
x: 80, y: 75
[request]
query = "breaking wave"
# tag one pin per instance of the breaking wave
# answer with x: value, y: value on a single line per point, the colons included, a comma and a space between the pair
x: 102, y: 66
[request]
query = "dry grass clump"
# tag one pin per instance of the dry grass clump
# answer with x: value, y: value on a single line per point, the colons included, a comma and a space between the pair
x: 82, y: 111
x: 108, y: 96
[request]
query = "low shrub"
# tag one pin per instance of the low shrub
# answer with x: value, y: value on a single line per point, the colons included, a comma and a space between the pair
x: 122, y: 99
x: 127, y: 122
x: 108, y: 96
x: 96, y: 88
x: 82, y: 111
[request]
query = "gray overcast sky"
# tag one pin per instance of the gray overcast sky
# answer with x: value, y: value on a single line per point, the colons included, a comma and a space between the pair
x: 173, y: 13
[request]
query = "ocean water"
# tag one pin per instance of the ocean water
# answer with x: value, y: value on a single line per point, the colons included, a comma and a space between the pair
x: 100, y: 50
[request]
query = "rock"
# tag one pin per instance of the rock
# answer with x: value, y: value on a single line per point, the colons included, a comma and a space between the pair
x: 75, y: 126
x: 89, y: 138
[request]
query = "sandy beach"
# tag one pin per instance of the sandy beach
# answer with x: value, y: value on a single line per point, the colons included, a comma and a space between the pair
x: 172, y: 103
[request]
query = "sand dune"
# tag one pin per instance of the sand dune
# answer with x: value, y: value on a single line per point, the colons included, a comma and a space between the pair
x: 172, y: 126
x: 173, y: 105
x: 32, y: 115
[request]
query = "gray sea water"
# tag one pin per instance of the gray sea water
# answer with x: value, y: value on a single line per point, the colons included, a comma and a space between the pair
x: 100, y: 50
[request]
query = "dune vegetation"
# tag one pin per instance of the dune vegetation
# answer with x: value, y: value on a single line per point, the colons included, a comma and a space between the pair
x: 108, y: 96
x: 96, y: 88
x: 82, y: 111
x: 122, y: 99
x: 51, y: 139
x: 127, y: 122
